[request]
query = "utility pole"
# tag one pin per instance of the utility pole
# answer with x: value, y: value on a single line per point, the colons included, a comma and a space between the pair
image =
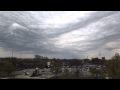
x: 72, y: 56
x: 12, y: 53
x: 46, y: 54
x: 20, y: 54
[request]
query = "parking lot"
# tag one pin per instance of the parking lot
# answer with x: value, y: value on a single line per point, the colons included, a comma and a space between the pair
x: 45, y: 74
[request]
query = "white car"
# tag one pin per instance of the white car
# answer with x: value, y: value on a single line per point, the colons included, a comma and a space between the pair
x: 27, y: 73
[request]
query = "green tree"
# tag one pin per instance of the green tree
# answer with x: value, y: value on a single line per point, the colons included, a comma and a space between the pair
x: 8, y: 67
x: 77, y: 72
x: 96, y: 72
x: 66, y: 73
x: 1, y: 69
x: 113, y: 67
x: 13, y: 60
x: 103, y: 73
x: 93, y: 70
x: 56, y: 68
x: 77, y: 65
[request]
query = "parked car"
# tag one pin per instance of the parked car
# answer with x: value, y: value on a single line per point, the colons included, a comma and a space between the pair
x: 27, y: 73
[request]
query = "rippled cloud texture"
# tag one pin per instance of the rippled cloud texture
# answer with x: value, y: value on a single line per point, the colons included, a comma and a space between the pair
x: 61, y: 34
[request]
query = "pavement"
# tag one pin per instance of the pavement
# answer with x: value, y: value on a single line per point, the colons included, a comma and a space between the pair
x: 21, y: 74
x: 44, y: 75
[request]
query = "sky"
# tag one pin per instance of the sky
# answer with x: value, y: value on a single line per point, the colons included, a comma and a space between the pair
x: 60, y: 34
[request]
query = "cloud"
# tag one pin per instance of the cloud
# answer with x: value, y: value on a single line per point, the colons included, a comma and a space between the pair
x: 59, y: 33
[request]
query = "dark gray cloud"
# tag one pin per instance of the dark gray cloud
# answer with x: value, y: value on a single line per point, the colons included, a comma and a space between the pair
x: 59, y: 33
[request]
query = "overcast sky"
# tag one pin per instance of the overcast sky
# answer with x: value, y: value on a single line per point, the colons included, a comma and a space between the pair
x: 62, y: 34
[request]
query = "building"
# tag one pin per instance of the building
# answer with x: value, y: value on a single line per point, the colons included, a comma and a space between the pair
x: 24, y: 64
x: 103, y: 58
x: 38, y: 57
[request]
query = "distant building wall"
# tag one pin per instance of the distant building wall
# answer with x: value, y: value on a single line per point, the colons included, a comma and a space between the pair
x: 103, y: 58
x: 48, y: 64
